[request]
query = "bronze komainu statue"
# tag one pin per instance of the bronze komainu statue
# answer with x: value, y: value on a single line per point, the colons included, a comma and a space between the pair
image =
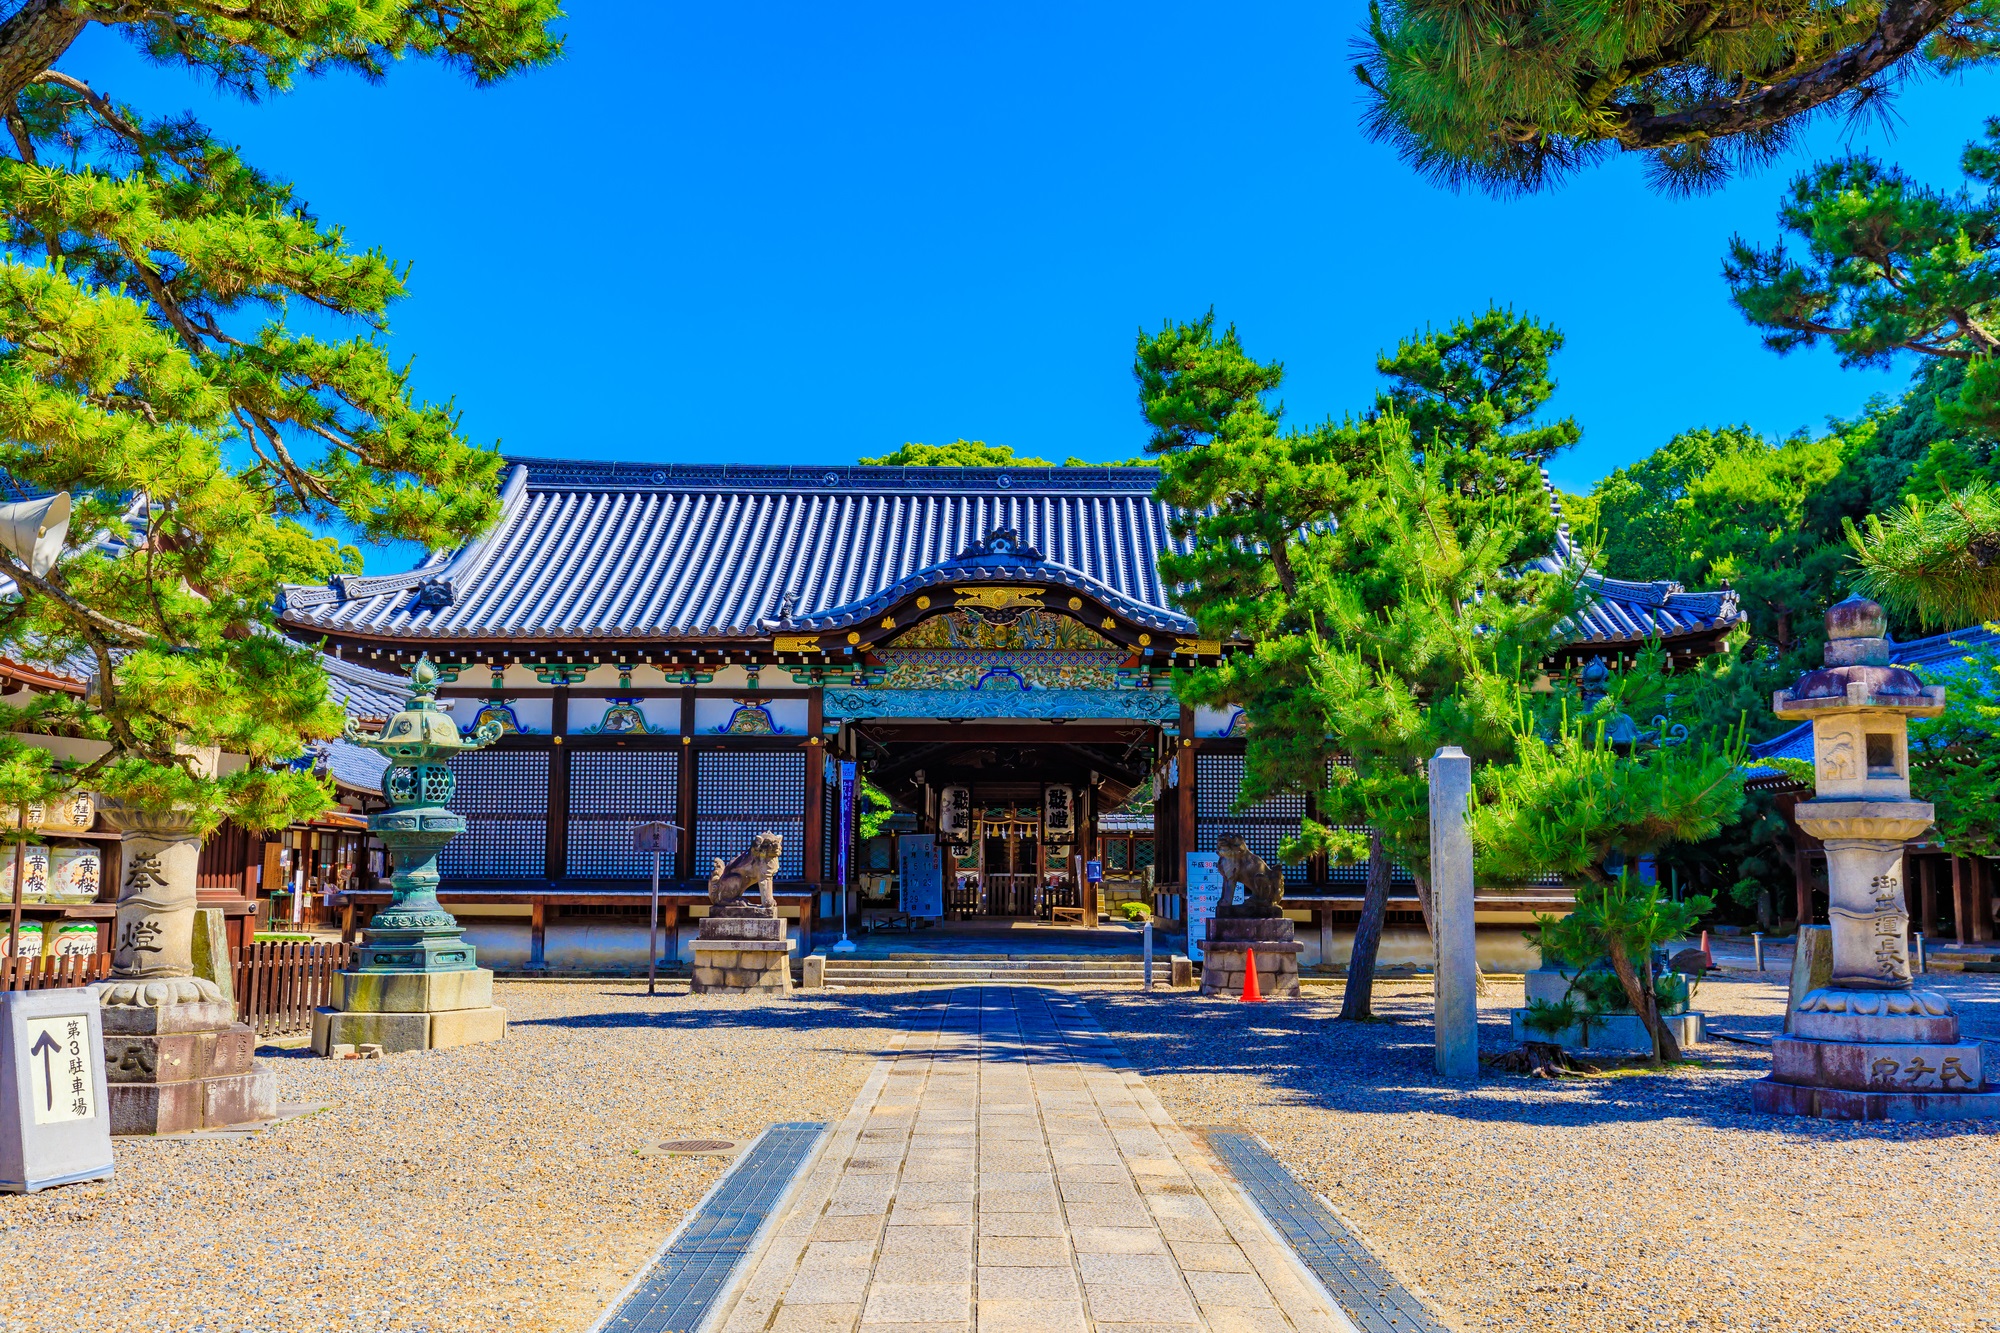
x: 1263, y: 885
x: 753, y: 869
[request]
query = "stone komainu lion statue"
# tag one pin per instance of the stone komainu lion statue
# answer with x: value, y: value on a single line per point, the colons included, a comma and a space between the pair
x: 753, y: 869
x: 1263, y: 885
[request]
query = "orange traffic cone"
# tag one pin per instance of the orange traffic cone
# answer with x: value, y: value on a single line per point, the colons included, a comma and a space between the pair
x: 1251, y: 995
x: 1707, y: 959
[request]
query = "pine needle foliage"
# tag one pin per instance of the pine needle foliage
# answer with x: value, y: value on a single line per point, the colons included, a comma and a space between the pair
x: 1514, y: 98
x: 146, y: 366
x: 1369, y: 565
x: 1937, y: 561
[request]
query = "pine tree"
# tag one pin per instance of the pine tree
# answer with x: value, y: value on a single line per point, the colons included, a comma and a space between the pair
x: 1887, y: 266
x: 1383, y: 573
x: 149, y: 371
x: 1515, y: 99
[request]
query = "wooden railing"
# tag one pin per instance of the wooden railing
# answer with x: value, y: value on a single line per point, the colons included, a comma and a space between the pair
x: 279, y: 985
x: 63, y: 970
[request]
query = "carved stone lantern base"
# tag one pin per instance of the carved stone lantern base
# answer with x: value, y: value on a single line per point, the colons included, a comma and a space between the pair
x: 1876, y: 1055
x: 175, y: 1058
x: 410, y: 1011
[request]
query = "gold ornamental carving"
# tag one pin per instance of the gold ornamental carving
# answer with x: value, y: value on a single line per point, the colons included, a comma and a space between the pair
x: 999, y: 597
x: 795, y: 643
x: 1205, y: 647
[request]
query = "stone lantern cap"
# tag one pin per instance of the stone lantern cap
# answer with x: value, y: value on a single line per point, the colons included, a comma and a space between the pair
x: 1857, y: 673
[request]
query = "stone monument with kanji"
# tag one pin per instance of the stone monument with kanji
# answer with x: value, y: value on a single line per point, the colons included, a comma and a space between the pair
x: 1871, y: 1044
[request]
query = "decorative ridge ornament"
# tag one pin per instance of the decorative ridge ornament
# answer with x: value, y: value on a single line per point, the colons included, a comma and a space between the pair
x: 413, y: 932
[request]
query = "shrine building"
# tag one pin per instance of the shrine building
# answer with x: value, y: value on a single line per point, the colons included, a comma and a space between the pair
x: 706, y: 644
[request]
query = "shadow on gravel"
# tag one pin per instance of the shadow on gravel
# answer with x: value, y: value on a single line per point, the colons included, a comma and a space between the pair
x: 1306, y: 1057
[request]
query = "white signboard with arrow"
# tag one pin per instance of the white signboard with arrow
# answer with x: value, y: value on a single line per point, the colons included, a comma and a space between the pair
x: 55, y: 1126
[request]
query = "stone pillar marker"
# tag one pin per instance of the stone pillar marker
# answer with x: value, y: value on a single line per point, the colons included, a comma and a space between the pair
x: 1457, y: 976
x: 175, y: 1058
x: 416, y: 984
x: 1868, y: 1045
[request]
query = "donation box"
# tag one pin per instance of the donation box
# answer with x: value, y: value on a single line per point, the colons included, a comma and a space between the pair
x: 55, y: 1128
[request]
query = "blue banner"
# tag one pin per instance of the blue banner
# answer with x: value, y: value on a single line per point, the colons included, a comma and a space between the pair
x: 846, y: 816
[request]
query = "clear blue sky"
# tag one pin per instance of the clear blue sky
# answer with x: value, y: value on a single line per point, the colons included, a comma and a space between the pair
x: 801, y: 232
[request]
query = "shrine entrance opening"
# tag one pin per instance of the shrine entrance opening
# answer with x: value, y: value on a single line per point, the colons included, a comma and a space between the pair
x: 1013, y: 800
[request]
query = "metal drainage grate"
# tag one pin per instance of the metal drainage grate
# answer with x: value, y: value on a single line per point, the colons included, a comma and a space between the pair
x: 675, y: 1293
x: 1375, y: 1301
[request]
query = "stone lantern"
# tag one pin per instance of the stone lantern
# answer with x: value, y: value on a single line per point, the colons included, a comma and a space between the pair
x: 1869, y: 1045
x: 416, y: 983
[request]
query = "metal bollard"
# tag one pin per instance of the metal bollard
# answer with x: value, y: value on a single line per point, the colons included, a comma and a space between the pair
x: 1923, y: 963
x: 1148, y: 946
x: 1757, y: 947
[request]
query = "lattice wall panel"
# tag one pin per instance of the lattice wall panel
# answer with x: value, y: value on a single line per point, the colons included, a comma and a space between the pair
x: 739, y: 795
x: 504, y: 797
x: 1218, y: 780
x: 611, y: 793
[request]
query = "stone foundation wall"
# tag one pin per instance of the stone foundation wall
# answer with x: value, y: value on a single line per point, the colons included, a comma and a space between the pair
x: 1222, y: 970
x: 736, y: 967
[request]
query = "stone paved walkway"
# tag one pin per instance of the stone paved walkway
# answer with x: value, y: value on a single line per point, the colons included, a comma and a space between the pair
x: 1008, y: 1171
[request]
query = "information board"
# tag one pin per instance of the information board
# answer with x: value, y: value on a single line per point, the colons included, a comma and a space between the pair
x: 920, y: 874
x: 1204, y: 891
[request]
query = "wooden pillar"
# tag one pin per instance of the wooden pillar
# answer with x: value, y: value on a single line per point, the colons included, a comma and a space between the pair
x: 1961, y: 896
x: 1802, y: 879
x: 670, y: 920
x: 1927, y: 894
x: 684, y: 863
x: 1185, y: 811
x: 815, y: 811
x: 557, y: 848
x: 1980, y: 928
x: 347, y: 922
x: 538, y: 918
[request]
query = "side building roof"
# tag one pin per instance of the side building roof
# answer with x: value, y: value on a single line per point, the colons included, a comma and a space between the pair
x: 742, y: 553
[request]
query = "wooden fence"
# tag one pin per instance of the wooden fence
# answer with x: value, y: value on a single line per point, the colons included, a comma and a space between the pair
x: 279, y: 985
x: 63, y: 970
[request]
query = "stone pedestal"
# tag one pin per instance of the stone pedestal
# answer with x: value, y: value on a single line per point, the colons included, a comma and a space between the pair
x: 1231, y: 938
x: 410, y: 1011
x: 176, y: 1067
x: 1604, y: 1032
x: 741, y: 951
x: 1876, y: 1055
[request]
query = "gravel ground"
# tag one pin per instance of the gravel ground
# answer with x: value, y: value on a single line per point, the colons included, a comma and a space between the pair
x: 1654, y: 1201
x: 490, y: 1187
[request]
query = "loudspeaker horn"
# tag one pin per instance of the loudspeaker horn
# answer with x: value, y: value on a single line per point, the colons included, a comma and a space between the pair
x: 35, y: 530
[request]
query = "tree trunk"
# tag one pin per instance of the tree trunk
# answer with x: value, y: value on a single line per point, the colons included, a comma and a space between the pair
x: 30, y: 42
x: 1359, y: 997
x: 1646, y: 1005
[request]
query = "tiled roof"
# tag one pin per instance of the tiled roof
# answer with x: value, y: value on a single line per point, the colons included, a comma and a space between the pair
x: 683, y: 551
x: 690, y: 551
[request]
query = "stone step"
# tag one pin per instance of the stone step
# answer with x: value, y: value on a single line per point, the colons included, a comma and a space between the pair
x: 1042, y: 974
x: 959, y: 979
x: 943, y: 963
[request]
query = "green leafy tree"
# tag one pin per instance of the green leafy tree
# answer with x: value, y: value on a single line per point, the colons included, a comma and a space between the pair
x: 150, y: 372
x: 959, y: 453
x: 1728, y: 508
x: 1515, y: 99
